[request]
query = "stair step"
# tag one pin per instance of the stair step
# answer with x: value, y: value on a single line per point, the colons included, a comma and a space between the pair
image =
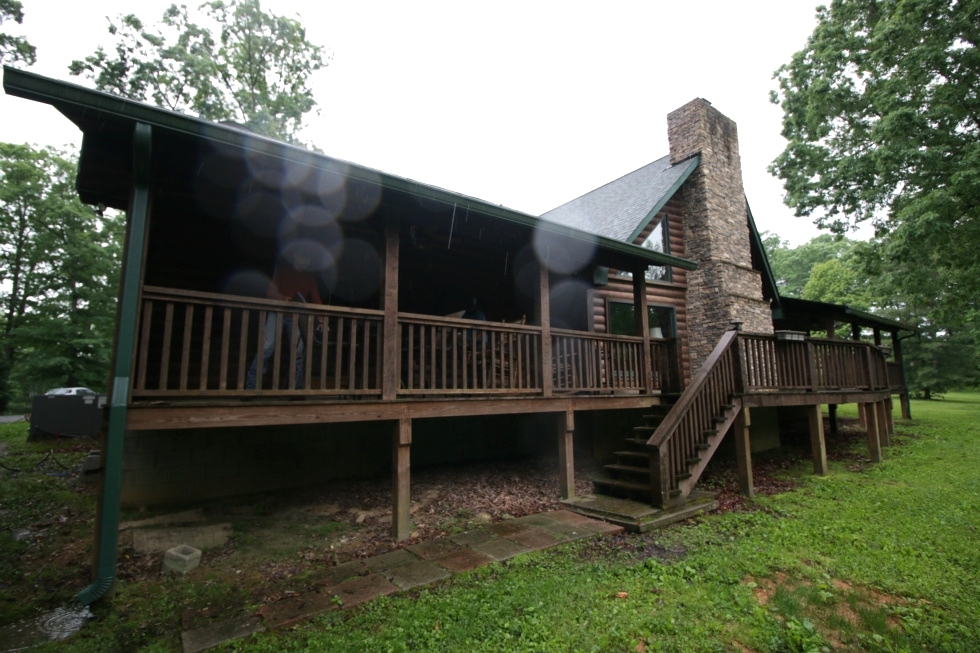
x: 619, y: 484
x: 636, y: 455
x: 676, y: 492
x: 628, y: 469
x: 640, y: 442
x: 703, y: 446
x: 640, y: 430
x: 683, y: 476
x: 710, y: 433
x: 692, y: 461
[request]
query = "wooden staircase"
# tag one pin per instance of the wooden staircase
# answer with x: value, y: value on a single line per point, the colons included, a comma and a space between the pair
x: 666, y: 456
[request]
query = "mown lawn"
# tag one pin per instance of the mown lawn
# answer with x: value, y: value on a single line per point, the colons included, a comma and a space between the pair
x: 870, y: 558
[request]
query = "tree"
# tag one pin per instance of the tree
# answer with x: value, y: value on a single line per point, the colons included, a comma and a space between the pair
x: 59, y: 263
x: 255, y: 72
x: 792, y: 265
x: 882, y: 114
x: 14, y: 48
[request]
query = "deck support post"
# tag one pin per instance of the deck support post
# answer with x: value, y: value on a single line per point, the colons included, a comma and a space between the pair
x: 389, y: 294
x: 401, y: 467
x: 890, y: 417
x: 743, y: 451
x: 832, y: 410
x: 871, y: 422
x: 566, y: 454
x: 817, y: 442
x: 882, y: 417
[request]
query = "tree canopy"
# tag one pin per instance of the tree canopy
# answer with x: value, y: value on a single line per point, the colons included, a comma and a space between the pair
x: 59, y: 266
x: 255, y: 70
x: 14, y: 48
x: 882, y: 114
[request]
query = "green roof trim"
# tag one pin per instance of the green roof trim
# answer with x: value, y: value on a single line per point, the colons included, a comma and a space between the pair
x: 76, y: 102
x: 691, y: 164
x: 756, y: 237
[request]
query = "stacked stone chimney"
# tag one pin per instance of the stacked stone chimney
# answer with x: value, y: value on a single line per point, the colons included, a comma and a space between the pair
x: 724, y: 289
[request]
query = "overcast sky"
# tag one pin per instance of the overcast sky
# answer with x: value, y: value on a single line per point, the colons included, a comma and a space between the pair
x: 524, y: 104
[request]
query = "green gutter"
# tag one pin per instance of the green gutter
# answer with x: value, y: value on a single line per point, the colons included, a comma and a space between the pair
x: 73, y: 100
x: 108, y: 527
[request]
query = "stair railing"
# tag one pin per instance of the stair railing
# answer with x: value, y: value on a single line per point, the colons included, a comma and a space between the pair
x: 676, y: 439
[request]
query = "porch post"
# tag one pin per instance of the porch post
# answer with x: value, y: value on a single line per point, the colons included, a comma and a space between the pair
x: 566, y: 454
x: 817, y: 442
x: 882, y: 418
x: 830, y: 329
x: 743, y: 451
x: 642, y: 320
x: 889, y: 417
x: 544, y: 319
x: 391, y: 350
x: 123, y: 357
x: 874, y: 443
x: 401, y: 518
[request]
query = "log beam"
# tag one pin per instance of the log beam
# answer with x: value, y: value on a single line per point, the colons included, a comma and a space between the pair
x: 871, y: 422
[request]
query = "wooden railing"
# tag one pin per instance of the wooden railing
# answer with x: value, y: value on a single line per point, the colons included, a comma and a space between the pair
x: 743, y: 364
x: 677, y: 439
x: 770, y: 364
x: 203, y: 344
x: 453, y: 356
x: 195, y: 344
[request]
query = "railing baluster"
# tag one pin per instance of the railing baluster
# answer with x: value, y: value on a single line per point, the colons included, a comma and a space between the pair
x: 206, y: 348
x: 242, y: 349
x: 225, y: 344
x: 144, y: 344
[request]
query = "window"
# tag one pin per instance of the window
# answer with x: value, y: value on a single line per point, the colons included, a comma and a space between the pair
x: 622, y: 321
x: 658, y: 241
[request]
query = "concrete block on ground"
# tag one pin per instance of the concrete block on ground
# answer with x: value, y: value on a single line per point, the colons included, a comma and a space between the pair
x: 157, y: 540
x: 181, y: 559
x: 415, y: 574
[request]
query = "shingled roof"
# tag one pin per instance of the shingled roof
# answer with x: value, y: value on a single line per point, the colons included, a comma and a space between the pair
x: 620, y: 209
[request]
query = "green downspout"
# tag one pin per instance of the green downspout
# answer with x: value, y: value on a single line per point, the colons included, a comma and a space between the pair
x: 108, y: 528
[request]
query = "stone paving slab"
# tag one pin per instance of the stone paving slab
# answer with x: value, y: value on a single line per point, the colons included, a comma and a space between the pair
x: 472, y: 537
x: 295, y: 609
x: 505, y: 528
x: 500, y: 549
x: 566, y: 531
x: 360, y: 590
x: 463, y: 560
x: 536, y: 539
x: 414, y: 574
x: 201, y: 639
x: 340, y: 573
x: 434, y: 548
x: 567, y: 517
x: 391, y: 560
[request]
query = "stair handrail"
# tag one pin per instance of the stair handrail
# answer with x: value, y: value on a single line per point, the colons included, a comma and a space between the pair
x: 666, y: 428
x: 667, y: 459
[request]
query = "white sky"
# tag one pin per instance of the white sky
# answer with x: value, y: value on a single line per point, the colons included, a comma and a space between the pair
x: 522, y: 103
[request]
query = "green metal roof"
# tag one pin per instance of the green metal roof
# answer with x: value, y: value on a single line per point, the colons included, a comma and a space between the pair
x: 83, y: 105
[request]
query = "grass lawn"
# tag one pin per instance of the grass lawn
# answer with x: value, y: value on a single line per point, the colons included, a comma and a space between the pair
x: 869, y: 558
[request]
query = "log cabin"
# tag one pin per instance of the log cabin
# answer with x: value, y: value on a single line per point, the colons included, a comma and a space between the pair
x: 642, y: 315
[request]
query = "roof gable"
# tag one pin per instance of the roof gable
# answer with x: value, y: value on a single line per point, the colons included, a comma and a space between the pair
x: 621, y: 209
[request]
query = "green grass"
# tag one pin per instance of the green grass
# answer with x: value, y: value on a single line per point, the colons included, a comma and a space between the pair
x: 882, y: 559
x: 869, y: 558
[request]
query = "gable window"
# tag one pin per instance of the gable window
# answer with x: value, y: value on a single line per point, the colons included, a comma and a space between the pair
x: 657, y: 241
x: 621, y: 320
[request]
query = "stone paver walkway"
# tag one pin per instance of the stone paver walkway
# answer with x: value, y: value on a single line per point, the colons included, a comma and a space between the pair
x: 351, y: 584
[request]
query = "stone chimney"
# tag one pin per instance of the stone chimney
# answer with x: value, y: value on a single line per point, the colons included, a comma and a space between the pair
x: 724, y: 288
